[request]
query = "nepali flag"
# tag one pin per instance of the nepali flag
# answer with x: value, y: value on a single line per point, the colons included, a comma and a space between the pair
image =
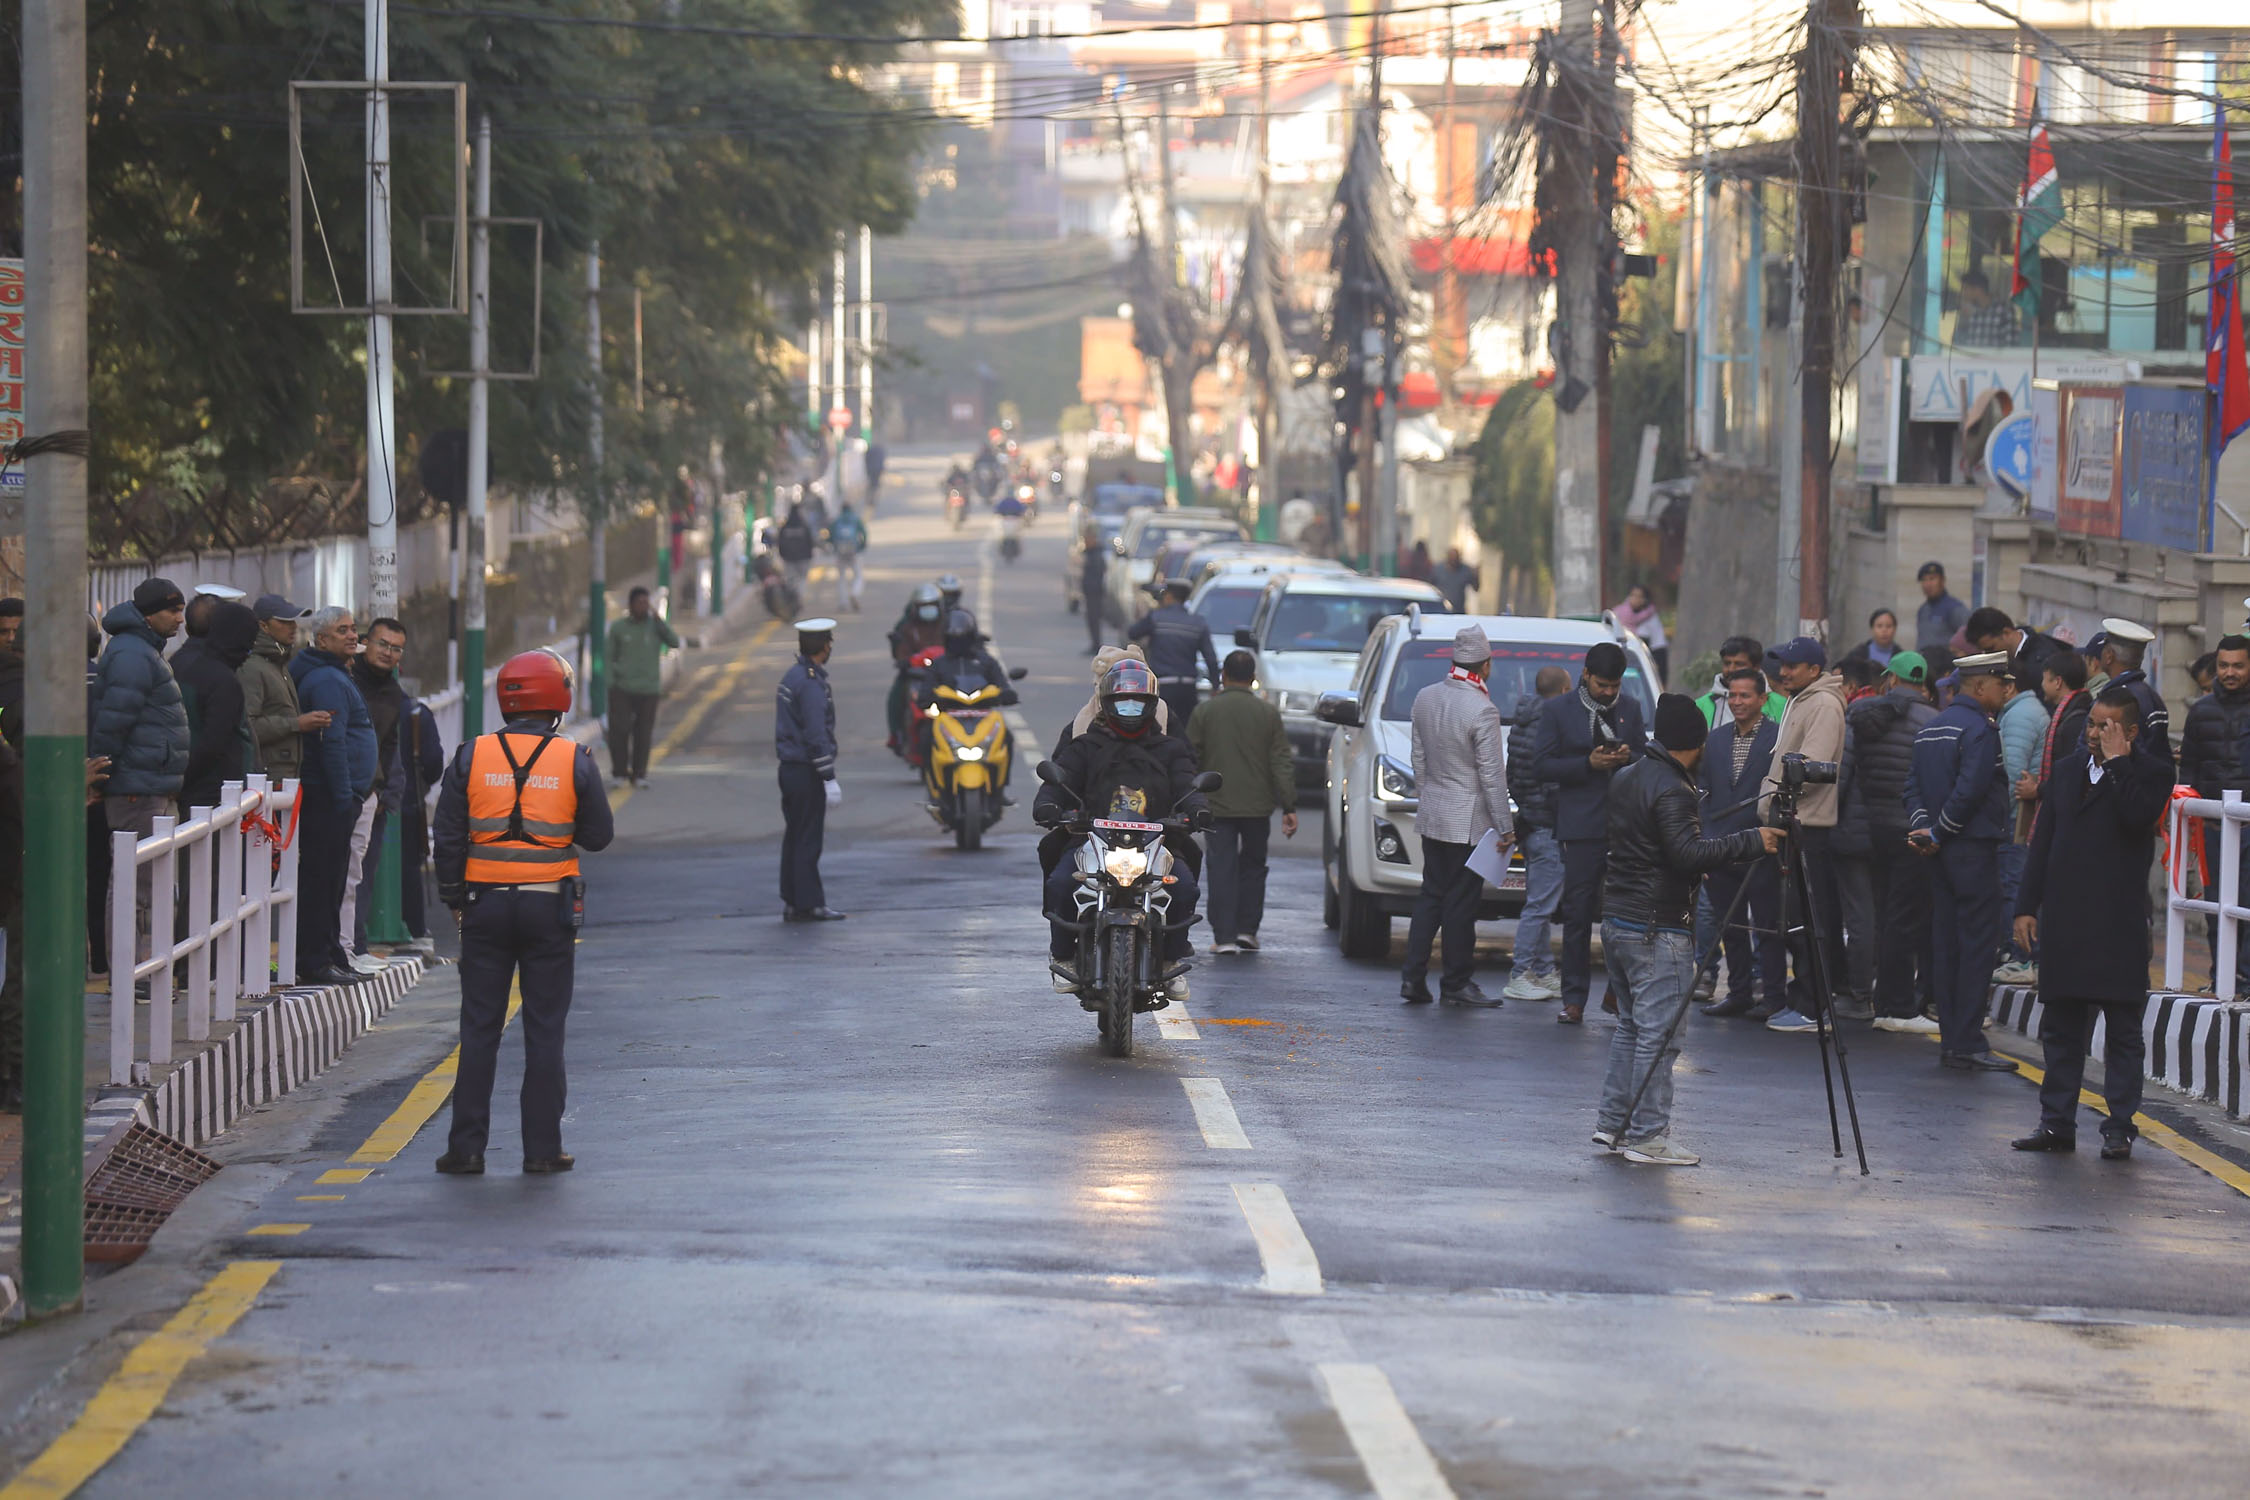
x: 2226, y: 368
x: 2038, y: 209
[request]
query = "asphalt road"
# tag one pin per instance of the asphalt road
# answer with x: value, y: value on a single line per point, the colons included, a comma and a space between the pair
x: 860, y: 1210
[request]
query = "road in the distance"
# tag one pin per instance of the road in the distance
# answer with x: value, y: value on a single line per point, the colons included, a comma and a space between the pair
x: 861, y: 1211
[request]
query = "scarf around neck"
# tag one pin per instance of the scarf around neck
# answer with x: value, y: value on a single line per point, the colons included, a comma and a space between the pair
x: 1459, y: 673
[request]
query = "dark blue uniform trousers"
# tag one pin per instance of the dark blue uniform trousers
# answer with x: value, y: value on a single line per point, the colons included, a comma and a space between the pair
x: 804, y: 821
x: 1965, y: 929
x: 521, y: 937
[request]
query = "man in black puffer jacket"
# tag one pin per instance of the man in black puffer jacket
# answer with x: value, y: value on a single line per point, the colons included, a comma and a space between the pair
x: 220, y: 748
x: 1882, y: 735
x: 139, y: 719
x: 1657, y: 857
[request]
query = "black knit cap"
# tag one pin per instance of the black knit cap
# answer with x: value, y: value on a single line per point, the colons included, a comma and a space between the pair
x: 1679, y: 723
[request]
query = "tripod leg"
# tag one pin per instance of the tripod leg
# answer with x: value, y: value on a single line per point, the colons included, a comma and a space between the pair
x: 1800, y: 921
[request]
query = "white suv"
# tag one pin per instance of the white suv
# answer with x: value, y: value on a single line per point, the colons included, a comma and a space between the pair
x: 1369, y: 848
x: 1145, y: 532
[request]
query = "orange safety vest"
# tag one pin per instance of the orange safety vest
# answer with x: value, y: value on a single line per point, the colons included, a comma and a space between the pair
x: 522, y: 811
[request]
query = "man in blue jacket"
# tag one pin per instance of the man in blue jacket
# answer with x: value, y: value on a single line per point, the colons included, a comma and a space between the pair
x: 339, y: 774
x: 139, y: 718
x: 1735, y: 760
x: 804, y: 741
x: 1957, y: 812
x: 1583, y: 739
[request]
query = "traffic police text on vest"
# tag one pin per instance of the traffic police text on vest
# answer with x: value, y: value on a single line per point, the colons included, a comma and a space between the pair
x: 513, y: 811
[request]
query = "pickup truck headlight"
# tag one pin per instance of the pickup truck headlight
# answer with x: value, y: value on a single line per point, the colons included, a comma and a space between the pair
x: 1290, y: 701
x: 1394, y: 780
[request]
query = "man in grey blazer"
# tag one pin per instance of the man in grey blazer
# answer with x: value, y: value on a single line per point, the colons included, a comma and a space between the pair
x: 1461, y: 781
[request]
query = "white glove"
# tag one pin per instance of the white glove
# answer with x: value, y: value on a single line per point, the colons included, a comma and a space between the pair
x: 834, y: 792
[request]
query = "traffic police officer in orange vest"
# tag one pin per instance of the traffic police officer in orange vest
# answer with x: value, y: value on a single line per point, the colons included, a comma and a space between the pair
x: 509, y: 810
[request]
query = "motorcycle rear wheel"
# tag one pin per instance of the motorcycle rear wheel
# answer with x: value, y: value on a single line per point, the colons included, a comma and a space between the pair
x: 968, y: 825
x: 1120, y: 974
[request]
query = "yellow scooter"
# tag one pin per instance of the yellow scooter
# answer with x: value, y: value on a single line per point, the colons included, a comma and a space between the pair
x: 967, y: 761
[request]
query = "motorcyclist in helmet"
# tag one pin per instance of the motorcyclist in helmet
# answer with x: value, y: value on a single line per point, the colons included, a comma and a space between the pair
x: 920, y: 626
x: 949, y: 592
x: 1124, y: 766
x: 965, y: 666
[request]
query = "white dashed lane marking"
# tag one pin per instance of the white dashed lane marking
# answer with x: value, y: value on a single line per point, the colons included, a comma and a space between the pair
x: 1214, y: 1114
x: 1291, y: 1267
x: 1398, y: 1463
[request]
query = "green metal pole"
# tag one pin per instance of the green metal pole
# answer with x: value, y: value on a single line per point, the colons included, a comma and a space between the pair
x: 54, y: 911
x: 719, y: 555
x: 597, y: 649
x: 385, y: 920
x: 664, y: 564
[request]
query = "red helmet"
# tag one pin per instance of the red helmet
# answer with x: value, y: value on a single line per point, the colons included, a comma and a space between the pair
x: 536, y: 682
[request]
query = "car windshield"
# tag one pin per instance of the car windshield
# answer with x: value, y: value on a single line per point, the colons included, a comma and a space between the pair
x: 1330, y: 622
x: 1514, y: 665
x: 1116, y: 499
x: 1153, y: 539
x: 1229, y: 608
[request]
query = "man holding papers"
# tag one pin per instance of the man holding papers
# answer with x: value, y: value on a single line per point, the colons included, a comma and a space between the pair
x: 1461, y: 779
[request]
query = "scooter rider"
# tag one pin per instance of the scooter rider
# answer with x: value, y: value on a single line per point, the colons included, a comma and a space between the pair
x: 1124, y: 767
x: 920, y: 626
x: 949, y: 592
x: 1178, y: 641
x: 966, y: 666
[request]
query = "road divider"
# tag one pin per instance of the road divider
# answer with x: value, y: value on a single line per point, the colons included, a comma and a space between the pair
x: 1399, y: 1464
x: 1214, y: 1114
x: 1292, y: 1270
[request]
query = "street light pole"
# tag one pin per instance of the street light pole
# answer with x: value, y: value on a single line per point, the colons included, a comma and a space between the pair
x: 597, y: 518
x: 382, y: 409
x: 866, y: 333
x: 480, y: 436
x: 54, y: 926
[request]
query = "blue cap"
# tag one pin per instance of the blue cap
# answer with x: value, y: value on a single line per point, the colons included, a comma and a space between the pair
x: 1804, y: 651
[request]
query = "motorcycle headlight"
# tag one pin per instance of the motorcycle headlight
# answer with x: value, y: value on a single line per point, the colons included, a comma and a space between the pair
x: 1125, y: 865
x: 969, y: 752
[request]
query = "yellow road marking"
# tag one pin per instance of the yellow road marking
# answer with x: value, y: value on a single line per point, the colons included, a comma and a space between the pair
x: 320, y: 1197
x: 281, y: 1229
x: 132, y: 1395
x: 425, y: 1099
x: 722, y: 686
x: 2155, y: 1131
x: 345, y: 1174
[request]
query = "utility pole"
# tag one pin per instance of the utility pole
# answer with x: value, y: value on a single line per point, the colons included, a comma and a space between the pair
x: 54, y: 752
x: 1269, y: 501
x: 480, y: 435
x: 1582, y: 236
x: 866, y: 333
x: 1823, y: 68
x: 815, y: 408
x: 382, y: 402
x: 1449, y: 353
x: 836, y: 338
x: 597, y: 518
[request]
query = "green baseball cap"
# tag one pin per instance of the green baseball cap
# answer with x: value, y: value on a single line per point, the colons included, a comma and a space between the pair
x: 1909, y: 666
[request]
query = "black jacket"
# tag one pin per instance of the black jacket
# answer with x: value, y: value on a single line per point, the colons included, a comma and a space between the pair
x: 1142, y: 779
x: 2211, y: 743
x: 2086, y: 876
x: 2156, y: 720
x: 220, y: 747
x: 1534, y: 799
x: 386, y: 705
x: 1559, y: 749
x: 1881, y: 732
x: 1657, y: 852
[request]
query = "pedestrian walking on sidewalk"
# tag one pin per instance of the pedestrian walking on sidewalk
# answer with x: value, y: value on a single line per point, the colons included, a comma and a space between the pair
x: 1657, y: 856
x: 1093, y: 583
x: 1239, y: 735
x: 795, y: 541
x: 847, y: 538
x: 512, y: 811
x: 1957, y: 806
x: 637, y: 644
x: 804, y: 742
x: 1532, y: 974
x: 2085, y: 902
x: 1461, y: 777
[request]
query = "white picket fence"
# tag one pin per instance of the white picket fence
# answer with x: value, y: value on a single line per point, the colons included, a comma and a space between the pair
x: 241, y: 937
x: 2224, y: 818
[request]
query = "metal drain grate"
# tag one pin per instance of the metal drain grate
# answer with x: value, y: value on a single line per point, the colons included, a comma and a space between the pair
x: 133, y: 1191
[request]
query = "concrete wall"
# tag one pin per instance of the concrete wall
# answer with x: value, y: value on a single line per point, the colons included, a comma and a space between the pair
x: 1727, y: 574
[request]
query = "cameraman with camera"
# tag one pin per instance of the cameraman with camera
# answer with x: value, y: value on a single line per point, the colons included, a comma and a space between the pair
x: 1957, y: 812
x: 1812, y: 728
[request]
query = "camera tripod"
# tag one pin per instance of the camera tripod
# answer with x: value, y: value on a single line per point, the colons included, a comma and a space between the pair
x: 1799, y: 933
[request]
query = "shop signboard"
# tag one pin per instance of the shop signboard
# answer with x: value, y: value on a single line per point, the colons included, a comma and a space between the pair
x: 2161, y: 479
x: 2087, y: 482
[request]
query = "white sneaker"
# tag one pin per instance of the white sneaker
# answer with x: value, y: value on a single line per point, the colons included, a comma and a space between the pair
x: 1658, y: 1151
x: 1606, y: 1139
x: 1522, y: 986
x: 1248, y: 942
x: 1550, y: 985
x: 1177, y: 988
x: 1918, y: 1025
x: 1064, y: 985
x: 423, y: 945
x: 367, y: 963
x: 2016, y: 973
x: 1226, y: 948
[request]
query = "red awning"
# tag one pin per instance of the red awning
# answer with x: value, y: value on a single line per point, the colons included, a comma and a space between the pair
x: 1478, y: 256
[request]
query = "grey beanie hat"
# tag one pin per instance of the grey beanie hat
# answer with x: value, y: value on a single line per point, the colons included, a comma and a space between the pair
x: 1470, y: 648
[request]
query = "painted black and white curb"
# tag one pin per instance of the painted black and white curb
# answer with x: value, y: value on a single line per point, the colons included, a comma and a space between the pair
x: 2196, y: 1044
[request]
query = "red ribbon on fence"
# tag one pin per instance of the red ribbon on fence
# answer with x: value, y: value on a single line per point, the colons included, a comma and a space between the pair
x: 273, y: 831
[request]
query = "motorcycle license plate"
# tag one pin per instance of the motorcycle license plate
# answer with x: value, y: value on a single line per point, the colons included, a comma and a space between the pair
x: 1126, y: 827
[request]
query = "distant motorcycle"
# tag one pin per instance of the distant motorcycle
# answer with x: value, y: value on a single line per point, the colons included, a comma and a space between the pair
x: 956, y: 505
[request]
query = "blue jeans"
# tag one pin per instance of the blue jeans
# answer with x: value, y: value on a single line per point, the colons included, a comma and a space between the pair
x: 1651, y: 971
x: 1542, y: 893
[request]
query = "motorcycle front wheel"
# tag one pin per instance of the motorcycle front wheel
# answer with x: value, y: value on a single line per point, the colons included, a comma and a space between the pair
x: 968, y: 825
x: 1120, y: 974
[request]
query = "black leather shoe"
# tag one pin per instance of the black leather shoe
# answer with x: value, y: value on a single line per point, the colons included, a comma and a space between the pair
x: 822, y: 914
x: 2117, y: 1148
x: 1470, y: 994
x: 1414, y: 992
x: 791, y: 914
x: 539, y: 1166
x: 461, y: 1166
x: 1733, y: 1005
x: 1762, y: 1011
x: 2046, y: 1140
x: 1977, y: 1062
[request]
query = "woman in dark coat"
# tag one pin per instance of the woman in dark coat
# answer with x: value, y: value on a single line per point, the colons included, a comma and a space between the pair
x: 2085, y: 899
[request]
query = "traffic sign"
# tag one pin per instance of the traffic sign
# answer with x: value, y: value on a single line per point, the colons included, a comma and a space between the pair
x: 839, y: 417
